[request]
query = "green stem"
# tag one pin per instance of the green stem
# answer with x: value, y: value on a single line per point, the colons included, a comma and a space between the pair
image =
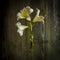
x: 31, y: 35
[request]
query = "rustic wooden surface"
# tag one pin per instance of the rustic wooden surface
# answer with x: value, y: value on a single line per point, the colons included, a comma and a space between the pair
x: 15, y: 47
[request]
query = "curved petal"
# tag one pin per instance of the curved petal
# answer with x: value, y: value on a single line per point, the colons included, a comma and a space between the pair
x: 22, y: 27
x: 18, y: 24
x: 19, y: 16
x: 38, y: 11
x: 30, y: 10
x: 28, y: 18
x: 39, y: 19
x: 20, y: 32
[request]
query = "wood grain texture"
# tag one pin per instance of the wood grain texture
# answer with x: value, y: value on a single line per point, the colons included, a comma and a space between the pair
x: 15, y: 47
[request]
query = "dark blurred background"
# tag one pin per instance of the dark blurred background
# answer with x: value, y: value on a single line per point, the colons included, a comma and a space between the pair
x: 14, y: 47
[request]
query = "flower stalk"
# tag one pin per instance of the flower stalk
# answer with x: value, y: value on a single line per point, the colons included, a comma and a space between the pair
x: 25, y: 15
x: 31, y: 34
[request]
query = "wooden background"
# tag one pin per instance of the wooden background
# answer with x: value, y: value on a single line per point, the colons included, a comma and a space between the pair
x: 15, y: 47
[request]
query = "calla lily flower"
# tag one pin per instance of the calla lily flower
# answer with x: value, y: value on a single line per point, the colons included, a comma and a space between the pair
x: 21, y: 28
x: 38, y: 18
x: 25, y: 13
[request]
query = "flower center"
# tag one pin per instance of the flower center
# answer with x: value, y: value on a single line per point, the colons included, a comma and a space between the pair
x: 25, y: 14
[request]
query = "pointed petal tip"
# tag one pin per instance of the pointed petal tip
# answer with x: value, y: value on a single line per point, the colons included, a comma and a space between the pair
x: 31, y: 10
x: 28, y: 18
x: 20, y: 32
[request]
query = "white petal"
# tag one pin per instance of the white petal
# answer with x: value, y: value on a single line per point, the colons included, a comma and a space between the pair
x: 20, y: 32
x: 31, y: 10
x: 19, y: 16
x: 38, y: 11
x: 18, y: 24
x: 28, y: 18
x: 22, y: 27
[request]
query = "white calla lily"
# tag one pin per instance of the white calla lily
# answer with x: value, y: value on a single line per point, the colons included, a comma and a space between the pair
x: 25, y: 13
x: 38, y: 18
x: 21, y: 28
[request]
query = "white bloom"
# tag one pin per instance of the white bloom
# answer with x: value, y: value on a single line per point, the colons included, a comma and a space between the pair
x: 25, y: 13
x: 20, y: 32
x: 21, y: 28
x: 38, y: 18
